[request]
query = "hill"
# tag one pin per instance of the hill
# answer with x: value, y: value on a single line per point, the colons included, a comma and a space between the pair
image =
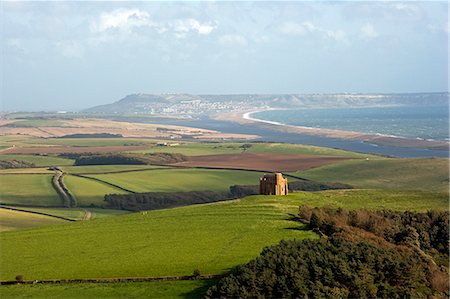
x: 211, y: 237
x: 204, y: 104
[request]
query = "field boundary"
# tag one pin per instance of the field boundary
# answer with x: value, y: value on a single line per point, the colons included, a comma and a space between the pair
x: 102, y: 181
x: 170, y: 166
x: 117, y: 171
x: 115, y: 280
x: 35, y: 212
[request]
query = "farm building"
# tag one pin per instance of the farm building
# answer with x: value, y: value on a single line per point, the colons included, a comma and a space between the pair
x: 273, y: 184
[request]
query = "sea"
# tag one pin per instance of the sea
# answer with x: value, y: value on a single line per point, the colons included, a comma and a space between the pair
x: 415, y: 122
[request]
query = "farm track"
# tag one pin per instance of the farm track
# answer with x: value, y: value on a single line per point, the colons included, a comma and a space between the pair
x: 115, y: 280
x: 57, y: 182
x: 38, y: 213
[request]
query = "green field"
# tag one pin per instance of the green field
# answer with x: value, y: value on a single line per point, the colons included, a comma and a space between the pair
x: 210, y: 237
x: 13, y: 220
x: 415, y: 174
x: 89, y: 192
x: 105, y: 168
x: 170, y: 180
x: 30, y: 123
x: 76, y: 213
x: 25, y: 171
x: 89, y: 141
x: 28, y: 189
x: 301, y: 149
x: 154, y: 289
x: 39, y: 161
x: 198, y: 149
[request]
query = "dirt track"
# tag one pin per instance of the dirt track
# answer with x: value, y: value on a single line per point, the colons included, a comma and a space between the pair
x: 258, y: 161
x: 72, y: 149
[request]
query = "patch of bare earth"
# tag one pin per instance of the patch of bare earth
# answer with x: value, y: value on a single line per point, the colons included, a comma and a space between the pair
x: 261, y: 161
x: 126, y: 129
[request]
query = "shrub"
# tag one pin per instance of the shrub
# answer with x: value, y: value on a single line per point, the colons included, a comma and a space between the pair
x: 19, y: 278
x: 329, y: 268
x: 196, y: 273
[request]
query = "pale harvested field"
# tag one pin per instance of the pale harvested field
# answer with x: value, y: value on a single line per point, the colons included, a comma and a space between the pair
x: 126, y: 129
x: 261, y: 161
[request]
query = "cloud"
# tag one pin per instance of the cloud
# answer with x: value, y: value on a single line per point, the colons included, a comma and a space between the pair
x: 368, y: 31
x: 232, y: 40
x: 71, y: 49
x: 186, y: 25
x: 121, y: 19
x: 292, y: 28
x: 306, y: 28
x: 128, y: 20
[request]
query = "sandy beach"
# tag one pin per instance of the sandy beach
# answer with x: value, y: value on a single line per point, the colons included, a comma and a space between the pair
x: 245, y: 118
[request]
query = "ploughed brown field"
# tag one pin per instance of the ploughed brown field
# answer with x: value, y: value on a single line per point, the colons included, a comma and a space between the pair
x: 72, y: 149
x: 261, y: 161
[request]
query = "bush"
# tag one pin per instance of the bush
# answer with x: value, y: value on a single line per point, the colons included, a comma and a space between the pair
x: 196, y: 273
x: 19, y: 278
x: 328, y: 268
x: 127, y: 159
x: 162, y: 200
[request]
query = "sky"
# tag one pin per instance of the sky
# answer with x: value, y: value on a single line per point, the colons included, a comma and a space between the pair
x: 74, y: 55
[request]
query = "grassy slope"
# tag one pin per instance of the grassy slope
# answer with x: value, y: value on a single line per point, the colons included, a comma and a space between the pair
x: 76, y: 213
x: 88, y: 191
x: 212, y: 237
x: 301, y: 149
x: 155, y: 289
x: 13, y: 220
x: 105, y: 168
x: 30, y: 189
x: 28, y: 123
x: 197, y: 149
x: 25, y: 170
x: 89, y: 141
x: 422, y: 174
x: 39, y: 161
x: 17, y: 140
x: 180, y: 179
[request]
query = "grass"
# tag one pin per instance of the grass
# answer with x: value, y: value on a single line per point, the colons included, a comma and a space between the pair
x: 168, y: 180
x: 76, y: 213
x: 89, y: 141
x: 30, y: 123
x: 422, y: 174
x: 301, y: 149
x: 14, y: 220
x: 105, y: 168
x: 198, y: 149
x: 39, y: 161
x: 154, y: 289
x: 372, y: 199
x: 211, y: 237
x: 89, y: 192
x: 28, y: 189
x: 25, y: 171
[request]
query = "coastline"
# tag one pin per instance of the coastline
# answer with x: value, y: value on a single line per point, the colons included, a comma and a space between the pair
x: 245, y: 118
